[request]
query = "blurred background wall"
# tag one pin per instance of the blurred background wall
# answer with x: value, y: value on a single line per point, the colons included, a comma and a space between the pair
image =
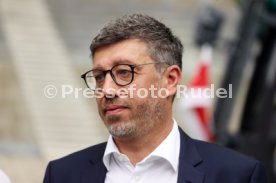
x: 45, y: 43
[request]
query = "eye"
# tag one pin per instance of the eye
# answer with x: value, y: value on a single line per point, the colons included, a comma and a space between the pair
x: 99, y: 76
x: 123, y: 73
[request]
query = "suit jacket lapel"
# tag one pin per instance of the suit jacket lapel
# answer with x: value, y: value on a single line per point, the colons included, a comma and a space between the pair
x: 189, y: 159
x: 95, y: 173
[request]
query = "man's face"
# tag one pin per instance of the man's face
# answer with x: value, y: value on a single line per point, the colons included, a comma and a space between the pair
x: 129, y: 116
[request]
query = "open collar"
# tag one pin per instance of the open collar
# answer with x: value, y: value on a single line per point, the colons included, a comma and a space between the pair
x: 189, y: 160
x: 167, y: 150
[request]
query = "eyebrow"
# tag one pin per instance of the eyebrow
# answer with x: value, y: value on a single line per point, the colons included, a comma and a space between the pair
x: 116, y: 62
x: 123, y: 61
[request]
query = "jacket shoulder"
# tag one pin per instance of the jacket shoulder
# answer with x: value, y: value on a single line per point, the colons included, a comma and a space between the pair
x: 228, y: 164
x: 70, y: 168
x: 82, y: 157
x: 220, y: 154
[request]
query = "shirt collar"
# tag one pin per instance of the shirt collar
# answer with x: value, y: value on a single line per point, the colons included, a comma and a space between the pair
x: 168, y: 149
x: 110, y: 149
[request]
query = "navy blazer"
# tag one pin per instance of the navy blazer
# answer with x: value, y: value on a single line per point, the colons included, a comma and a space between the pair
x: 198, y: 162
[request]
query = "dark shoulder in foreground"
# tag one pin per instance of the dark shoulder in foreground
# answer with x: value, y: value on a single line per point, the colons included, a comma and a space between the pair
x: 82, y: 157
x: 228, y: 164
x: 219, y: 153
x: 71, y: 168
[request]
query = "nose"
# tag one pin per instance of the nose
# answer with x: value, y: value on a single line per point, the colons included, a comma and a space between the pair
x: 109, y: 87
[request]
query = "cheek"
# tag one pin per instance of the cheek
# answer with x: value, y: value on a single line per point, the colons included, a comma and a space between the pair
x: 99, y: 102
x: 141, y: 88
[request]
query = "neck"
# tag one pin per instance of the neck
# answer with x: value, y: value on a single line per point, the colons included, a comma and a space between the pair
x: 137, y: 148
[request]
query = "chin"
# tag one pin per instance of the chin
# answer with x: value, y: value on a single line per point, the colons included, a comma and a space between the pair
x: 121, y: 129
x: 112, y: 119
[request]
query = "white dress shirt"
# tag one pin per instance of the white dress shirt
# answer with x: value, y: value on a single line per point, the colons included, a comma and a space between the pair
x: 4, y: 178
x: 159, y: 166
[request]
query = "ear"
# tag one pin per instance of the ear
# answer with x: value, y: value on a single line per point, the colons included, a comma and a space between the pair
x: 172, y: 78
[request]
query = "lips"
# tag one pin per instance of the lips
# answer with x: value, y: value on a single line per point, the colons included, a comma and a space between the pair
x: 114, y: 109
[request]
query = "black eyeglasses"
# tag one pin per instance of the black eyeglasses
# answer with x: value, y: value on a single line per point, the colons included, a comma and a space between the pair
x: 122, y: 75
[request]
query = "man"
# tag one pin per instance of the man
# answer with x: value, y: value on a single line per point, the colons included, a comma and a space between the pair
x: 129, y: 54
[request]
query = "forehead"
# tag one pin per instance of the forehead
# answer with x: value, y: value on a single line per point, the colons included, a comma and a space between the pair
x: 132, y: 51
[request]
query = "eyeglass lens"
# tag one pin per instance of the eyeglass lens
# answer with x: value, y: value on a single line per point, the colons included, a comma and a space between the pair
x: 121, y: 74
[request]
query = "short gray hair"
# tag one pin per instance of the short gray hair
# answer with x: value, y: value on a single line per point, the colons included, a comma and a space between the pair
x: 163, y: 45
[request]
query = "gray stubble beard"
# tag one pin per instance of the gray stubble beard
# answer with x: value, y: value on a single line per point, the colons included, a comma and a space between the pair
x: 140, y: 123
